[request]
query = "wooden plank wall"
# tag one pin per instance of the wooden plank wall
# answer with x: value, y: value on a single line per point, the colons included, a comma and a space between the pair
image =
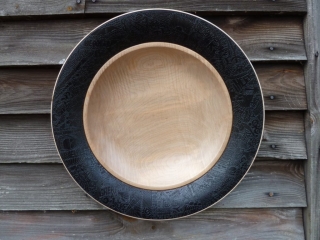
x: 39, y: 200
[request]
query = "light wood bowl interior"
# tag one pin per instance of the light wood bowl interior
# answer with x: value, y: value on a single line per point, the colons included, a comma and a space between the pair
x: 157, y: 116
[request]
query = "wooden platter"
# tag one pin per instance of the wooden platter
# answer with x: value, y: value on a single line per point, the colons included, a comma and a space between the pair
x: 157, y: 114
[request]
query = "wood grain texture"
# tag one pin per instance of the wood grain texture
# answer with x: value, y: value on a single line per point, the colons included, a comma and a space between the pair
x: 36, y: 7
x: 266, y: 38
x: 49, y: 187
x: 111, y: 6
x: 49, y: 42
x: 269, y: 177
x: 157, y: 116
x: 283, y: 136
x: 283, y: 86
x: 26, y: 90
x: 312, y: 120
x: 28, y: 138
x: 240, y: 224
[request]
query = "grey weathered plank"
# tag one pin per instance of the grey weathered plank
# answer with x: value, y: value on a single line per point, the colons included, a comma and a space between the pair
x: 283, y: 136
x: 49, y: 187
x: 269, y: 184
x: 312, y: 119
x: 266, y: 38
x: 50, y: 7
x: 36, y: 7
x: 241, y: 224
x: 49, y: 42
x: 283, y: 86
x: 28, y: 138
x: 26, y: 90
x: 118, y: 6
x: 29, y: 90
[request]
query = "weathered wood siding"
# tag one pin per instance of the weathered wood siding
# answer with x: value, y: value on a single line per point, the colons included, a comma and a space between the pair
x: 38, y: 198
x: 49, y: 187
x: 49, y: 42
x: 242, y: 224
x: 312, y: 120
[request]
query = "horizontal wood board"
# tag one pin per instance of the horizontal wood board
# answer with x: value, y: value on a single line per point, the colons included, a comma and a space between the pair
x: 26, y: 90
x: 240, y: 224
x: 28, y: 138
x: 283, y: 86
x: 36, y: 7
x: 29, y: 89
x: 49, y: 187
x: 119, y: 6
x: 49, y: 42
x: 62, y: 7
x: 283, y: 136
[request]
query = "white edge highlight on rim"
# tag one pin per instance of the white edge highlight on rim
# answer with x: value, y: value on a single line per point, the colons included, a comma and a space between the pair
x: 171, y: 10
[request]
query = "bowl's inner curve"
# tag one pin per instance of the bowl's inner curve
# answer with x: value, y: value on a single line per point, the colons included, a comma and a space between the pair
x: 157, y: 116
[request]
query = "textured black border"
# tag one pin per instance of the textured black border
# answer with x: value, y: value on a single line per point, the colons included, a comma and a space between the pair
x: 157, y: 26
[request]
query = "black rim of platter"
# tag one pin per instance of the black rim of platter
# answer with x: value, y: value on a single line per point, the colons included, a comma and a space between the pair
x: 157, y: 25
